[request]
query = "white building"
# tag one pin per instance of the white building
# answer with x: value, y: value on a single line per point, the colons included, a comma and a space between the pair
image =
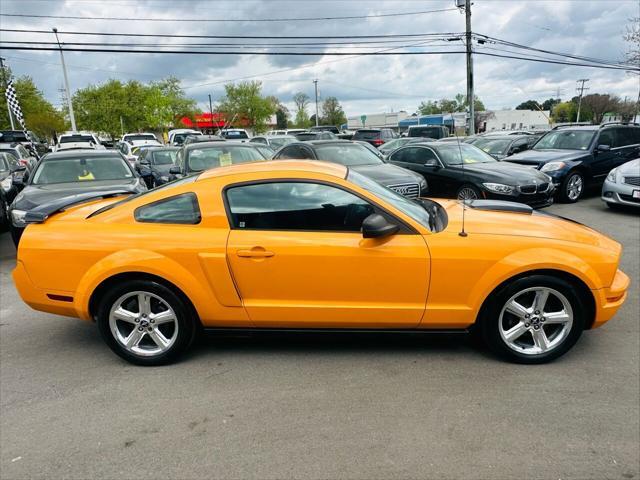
x: 515, y: 120
x: 376, y: 120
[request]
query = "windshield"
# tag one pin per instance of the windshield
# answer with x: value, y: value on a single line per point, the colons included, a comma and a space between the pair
x: 142, y: 136
x: 164, y: 157
x: 405, y: 205
x: 235, y: 134
x: 393, y: 144
x: 11, y: 136
x: 76, y: 139
x: 200, y: 159
x: 366, y: 135
x: 496, y: 146
x: 80, y: 169
x: 566, y: 140
x: 347, y: 154
x: 4, y: 162
x: 455, y: 154
x: 281, y: 141
x: 432, y: 132
x: 306, y: 136
x: 13, y: 153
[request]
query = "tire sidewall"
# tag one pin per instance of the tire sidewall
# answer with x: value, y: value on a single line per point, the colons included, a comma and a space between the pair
x: 470, y: 186
x: 564, y: 197
x: 186, y: 327
x: 490, y: 315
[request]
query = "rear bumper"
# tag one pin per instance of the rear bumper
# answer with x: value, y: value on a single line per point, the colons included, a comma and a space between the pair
x: 51, y: 301
x: 609, y: 300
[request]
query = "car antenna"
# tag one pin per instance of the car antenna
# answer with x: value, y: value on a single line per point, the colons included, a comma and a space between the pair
x: 462, y: 232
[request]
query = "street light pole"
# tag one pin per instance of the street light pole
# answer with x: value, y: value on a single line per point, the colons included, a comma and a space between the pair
x: 66, y: 84
x: 470, y: 96
x: 4, y: 81
x: 316, y: 87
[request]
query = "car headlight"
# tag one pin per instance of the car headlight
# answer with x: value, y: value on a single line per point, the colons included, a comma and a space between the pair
x: 499, y: 188
x: 613, y: 176
x: 423, y: 186
x: 17, y: 218
x: 552, y: 166
x: 6, y: 184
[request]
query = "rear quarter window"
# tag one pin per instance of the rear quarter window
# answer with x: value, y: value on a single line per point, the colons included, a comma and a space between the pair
x: 181, y: 209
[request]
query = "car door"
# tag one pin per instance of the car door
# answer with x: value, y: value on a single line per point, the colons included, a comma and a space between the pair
x: 424, y: 161
x: 298, y: 259
x: 603, y: 160
x: 627, y: 146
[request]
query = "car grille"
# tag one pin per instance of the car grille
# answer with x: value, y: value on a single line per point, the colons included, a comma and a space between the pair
x: 632, y: 181
x: 531, y: 189
x: 411, y: 190
x: 629, y: 198
x: 527, y: 164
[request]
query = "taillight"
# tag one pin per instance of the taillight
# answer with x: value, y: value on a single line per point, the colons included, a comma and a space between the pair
x: 378, y: 141
x: 23, y: 161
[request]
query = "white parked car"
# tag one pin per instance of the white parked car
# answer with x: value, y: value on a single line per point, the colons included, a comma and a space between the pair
x: 234, y: 134
x: 78, y: 141
x: 290, y: 131
x: 178, y: 136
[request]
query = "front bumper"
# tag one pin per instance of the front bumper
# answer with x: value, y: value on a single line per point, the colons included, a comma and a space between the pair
x: 619, y: 194
x: 609, y: 300
x: 536, y: 200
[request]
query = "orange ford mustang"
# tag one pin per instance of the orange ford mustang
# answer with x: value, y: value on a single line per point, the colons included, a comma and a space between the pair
x: 312, y: 245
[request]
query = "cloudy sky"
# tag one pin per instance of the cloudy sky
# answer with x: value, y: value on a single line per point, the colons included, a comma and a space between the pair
x: 363, y: 84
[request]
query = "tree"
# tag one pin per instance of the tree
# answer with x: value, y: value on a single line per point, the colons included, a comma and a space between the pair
x: 599, y: 104
x: 529, y: 105
x: 282, y: 112
x: 457, y: 104
x: 632, y: 35
x: 429, y: 108
x: 564, y: 112
x: 244, y: 101
x: 332, y: 113
x: 165, y: 103
x: 550, y: 103
x: 301, y: 100
x: 40, y: 116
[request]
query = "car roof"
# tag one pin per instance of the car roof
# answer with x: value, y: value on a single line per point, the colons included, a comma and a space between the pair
x: 218, y: 143
x: 82, y: 153
x: 275, y: 166
x: 333, y: 141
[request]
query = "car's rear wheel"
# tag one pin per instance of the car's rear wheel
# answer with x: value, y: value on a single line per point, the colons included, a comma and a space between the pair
x: 572, y: 187
x: 145, y: 322
x: 535, y: 319
x: 468, y: 192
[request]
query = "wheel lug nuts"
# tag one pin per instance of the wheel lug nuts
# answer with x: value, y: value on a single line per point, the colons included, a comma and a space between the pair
x: 526, y: 325
x: 537, y: 312
x: 137, y: 320
x: 140, y: 329
x: 542, y: 319
x: 536, y: 327
x: 152, y: 321
x: 527, y: 315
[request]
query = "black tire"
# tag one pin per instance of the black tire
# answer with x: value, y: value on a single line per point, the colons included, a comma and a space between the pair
x: 186, y: 324
x: 490, y: 319
x: 564, y: 194
x: 471, y: 188
x: 4, y: 215
x: 16, y: 233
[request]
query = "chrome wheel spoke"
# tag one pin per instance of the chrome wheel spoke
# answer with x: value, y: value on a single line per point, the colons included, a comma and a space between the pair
x: 159, y: 339
x: 516, y: 309
x: 133, y: 340
x: 540, y: 300
x: 144, y: 303
x: 162, y: 317
x: 516, y: 332
x: 556, y: 317
x: 540, y: 339
x: 125, y: 315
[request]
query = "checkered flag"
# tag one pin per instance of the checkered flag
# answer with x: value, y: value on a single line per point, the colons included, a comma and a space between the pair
x: 14, y: 105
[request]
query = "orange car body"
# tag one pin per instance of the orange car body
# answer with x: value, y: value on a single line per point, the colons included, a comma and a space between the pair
x: 309, y: 279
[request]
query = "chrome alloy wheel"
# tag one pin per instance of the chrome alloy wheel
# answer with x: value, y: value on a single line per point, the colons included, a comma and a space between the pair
x: 467, y: 193
x: 535, y: 320
x: 575, y: 186
x: 143, y: 323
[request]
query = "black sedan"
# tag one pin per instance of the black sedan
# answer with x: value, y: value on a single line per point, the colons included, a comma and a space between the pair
x: 360, y: 159
x: 197, y: 157
x: 9, y: 170
x: 73, y: 173
x: 465, y: 172
x: 154, y: 163
x: 501, y: 146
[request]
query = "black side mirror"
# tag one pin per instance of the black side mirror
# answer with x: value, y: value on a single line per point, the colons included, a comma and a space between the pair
x: 376, y: 226
x: 604, y: 148
x: 175, y: 170
x: 433, y: 163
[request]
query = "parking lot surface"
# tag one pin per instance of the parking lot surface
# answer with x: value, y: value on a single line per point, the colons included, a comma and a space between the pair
x: 335, y: 406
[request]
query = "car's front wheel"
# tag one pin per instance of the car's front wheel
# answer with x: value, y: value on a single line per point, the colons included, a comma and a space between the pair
x: 572, y: 187
x: 535, y: 319
x: 468, y: 192
x: 145, y: 322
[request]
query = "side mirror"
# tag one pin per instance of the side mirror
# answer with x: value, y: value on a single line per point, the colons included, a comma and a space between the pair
x: 175, y: 171
x: 432, y: 162
x: 376, y: 226
x: 604, y: 148
x: 145, y: 162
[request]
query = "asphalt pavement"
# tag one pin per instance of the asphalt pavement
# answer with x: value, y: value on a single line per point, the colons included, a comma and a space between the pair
x: 313, y: 406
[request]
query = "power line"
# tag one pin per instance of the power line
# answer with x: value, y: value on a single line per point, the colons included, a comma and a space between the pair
x: 227, y: 20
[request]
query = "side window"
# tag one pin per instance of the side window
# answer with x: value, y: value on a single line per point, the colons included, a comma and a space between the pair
x: 295, y: 152
x: 607, y: 137
x: 413, y: 155
x: 296, y: 206
x: 179, y: 158
x: 424, y: 155
x: 627, y: 136
x: 181, y: 209
x: 519, y: 146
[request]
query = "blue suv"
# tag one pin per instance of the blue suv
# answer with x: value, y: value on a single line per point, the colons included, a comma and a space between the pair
x: 575, y: 156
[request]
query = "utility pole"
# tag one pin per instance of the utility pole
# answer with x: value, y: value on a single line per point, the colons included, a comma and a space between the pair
x: 211, y: 112
x: 470, y: 96
x: 581, y: 90
x: 66, y: 84
x: 6, y: 84
x: 315, y: 82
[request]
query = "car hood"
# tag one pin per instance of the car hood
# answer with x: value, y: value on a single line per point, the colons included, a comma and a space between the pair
x: 35, y: 195
x: 504, y: 172
x: 544, y: 156
x: 537, y: 224
x: 630, y: 168
x: 388, y: 174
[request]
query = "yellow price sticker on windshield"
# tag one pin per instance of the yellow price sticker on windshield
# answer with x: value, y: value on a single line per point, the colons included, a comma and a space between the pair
x: 225, y: 159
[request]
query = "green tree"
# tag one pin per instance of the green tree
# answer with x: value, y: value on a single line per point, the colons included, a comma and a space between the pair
x: 599, y: 104
x: 244, y: 101
x: 301, y: 100
x: 550, y: 103
x: 564, y: 112
x: 529, y: 105
x: 332, y: 113
x: 445, y: 105
x: 40, y: 115
x: 165, y: 103
x: 429, y: 108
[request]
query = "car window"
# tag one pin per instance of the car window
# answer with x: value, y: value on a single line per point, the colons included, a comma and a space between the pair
x: 455, y: 154
x: 181, y: 209
x: 296, y: 152
x: 607, y: 137
x: 366, y: 135
x: 296, y: 206
x: 4, y: 162
x: 22, y: 151
x: 80, y: 169
x: 347, y: 154
x: 143, y: 136
x: 626, y: 136
x: 200, y: 159
x: 498, y: 146
x: 77, y: 139
x: 164, y: 157
x: 566, y: 140
x: 12, y: 152
x: 278, y: 142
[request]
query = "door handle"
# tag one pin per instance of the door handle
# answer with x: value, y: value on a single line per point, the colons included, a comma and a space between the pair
x: 256, y: 252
